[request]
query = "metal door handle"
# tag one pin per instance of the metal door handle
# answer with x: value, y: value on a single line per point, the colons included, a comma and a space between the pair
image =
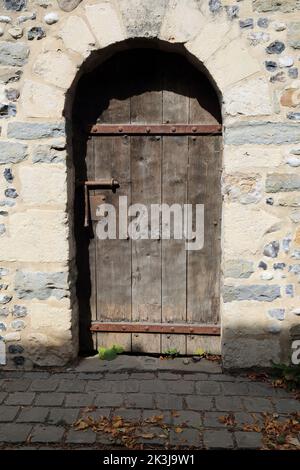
x: 112, y: 184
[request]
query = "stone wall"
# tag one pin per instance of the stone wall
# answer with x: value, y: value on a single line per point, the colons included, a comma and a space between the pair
x: 251, y: 51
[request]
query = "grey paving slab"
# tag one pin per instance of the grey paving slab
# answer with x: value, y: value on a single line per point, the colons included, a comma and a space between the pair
x: 81, y: 437
x: 258, y: 404
x: 44, y: 385
x: 186, y: 438
x: 14, y: 433
x: 50, y: 399
x: 79, y: 399
x: 199, y: 403
x: 218, y: 439
x: 168, y: 402
x: 8, y: 413
x: 63, y: 416
x: 16, y: 385
x: 75, y: 385
x: 33, y: 415
x: 248, y: 440
x: 188, y: 418
x: 44, y: 433
x: 20, y: 398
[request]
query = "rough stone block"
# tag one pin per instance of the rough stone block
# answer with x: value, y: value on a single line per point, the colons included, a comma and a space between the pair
x: 35, y: 130
x: 55, y: 68
x: 40, y: 285
x: 105, y: 23
x: 239, y: 269
x: 141, y: 18
x: 198, y: 403
x: 262, y: 133
x: 41, y: 100
x: 76, y: 36
x: 294, y: 34
x: 43, y: 185
x: 260, y: 293
x: 13, y: 53
x: 282, y: 182
x: 12, y: 152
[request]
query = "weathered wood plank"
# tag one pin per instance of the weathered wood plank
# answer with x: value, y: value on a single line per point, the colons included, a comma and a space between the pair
x: 146, y: 254
x: 203, y: 267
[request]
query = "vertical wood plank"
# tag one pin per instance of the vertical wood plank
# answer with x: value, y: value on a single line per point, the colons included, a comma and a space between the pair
x: 203, y: 276
x: 174, y: 191
x: 146, y: 254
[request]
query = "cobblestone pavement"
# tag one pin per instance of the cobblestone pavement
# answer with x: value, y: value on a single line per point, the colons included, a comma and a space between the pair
x: 37, y: 409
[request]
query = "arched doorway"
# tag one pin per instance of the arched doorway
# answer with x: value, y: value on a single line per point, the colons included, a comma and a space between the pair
x: 151, y: 122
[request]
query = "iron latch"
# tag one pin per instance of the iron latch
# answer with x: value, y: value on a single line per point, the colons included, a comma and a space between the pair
x: 111, y: 184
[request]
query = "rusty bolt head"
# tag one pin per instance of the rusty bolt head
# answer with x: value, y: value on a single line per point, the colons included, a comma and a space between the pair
x: 173, y: 129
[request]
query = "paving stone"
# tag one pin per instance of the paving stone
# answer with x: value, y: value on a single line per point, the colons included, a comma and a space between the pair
x: 194, y: 376
x: 185, y: 387
x: 14, y: 432
x: 16, y: 385
x: 71, y: 386
x: 98, y: 414
x: 87, y: 376
x: 3, y: 395
x: 236, y: 388
x: 199, y: 403
x: 241, y: 418
x: 261, y: 390
x: 211, y: 419
x: 229, y: 403
x: 258, y: 404
x: 208, y: 388
x: 159, y: 437
x: 170, y: 376
x: 153, y: 386
x: 129, y: 386
x: 19, y: 398
x: 168, y: 402
x: 50, y: 399
x: 139, y: 400
x: 218, y: 439
x: 187, y: 438
x: 287, y: 405
x: 63, y: 416
x: 117, y: 376
x: 33, y: 415
x: 166, y: 415
x: 79, y: 399
x: 109, y: 399
x: 44, y: 385
x: 189, y: 418
x: 98, y: 386
x: 81, y: 437
x: 37, y: 375
x: 128, y: 414
x: 104, y: 439
x: 143, y: 375
x: 8, y: 413
x: 248, y: 440
x: 49, y: 434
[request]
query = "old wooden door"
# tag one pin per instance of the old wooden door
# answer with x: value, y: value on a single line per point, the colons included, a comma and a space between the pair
x: 154, y: 126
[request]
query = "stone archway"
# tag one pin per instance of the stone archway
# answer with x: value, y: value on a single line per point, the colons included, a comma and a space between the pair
x: 260, y: 136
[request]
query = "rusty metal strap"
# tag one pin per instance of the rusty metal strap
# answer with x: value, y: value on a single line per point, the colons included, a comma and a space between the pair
x: 127, y: 327
x: 161, y: 129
